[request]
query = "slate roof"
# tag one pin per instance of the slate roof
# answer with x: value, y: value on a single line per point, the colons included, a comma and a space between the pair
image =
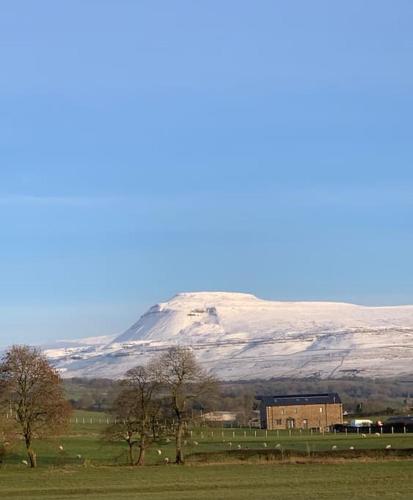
x: 300, y: 399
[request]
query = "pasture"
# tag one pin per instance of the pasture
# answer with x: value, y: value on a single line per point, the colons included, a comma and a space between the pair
x: 81, y: 463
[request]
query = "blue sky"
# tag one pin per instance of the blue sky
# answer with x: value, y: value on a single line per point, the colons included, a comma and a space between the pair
x: 152, y: 147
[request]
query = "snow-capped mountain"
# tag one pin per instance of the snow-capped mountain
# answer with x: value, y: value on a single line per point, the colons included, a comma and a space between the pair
x: 239, y: 336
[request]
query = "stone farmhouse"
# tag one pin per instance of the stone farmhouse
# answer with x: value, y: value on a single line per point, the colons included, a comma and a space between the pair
x: 301, y: 411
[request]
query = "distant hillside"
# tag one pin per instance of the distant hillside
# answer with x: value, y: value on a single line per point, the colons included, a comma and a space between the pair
x: 238, y: 336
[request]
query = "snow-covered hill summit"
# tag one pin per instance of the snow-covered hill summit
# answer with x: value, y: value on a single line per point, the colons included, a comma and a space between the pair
x: 238, y: 336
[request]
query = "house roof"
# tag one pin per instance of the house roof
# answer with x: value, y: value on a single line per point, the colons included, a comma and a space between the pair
x: 300, y: 399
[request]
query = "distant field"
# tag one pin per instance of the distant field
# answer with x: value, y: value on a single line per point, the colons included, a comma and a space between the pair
x: 89, y: 465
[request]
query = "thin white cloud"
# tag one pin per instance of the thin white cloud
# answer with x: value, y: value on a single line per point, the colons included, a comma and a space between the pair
x: 307, y: 196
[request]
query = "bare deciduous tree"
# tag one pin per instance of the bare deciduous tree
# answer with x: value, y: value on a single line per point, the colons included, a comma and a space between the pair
x: 32, y: 388
x: 135, y: 410
x: 185, y: 382
x: 125, y: 426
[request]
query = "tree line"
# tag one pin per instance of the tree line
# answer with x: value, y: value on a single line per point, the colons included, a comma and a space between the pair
x: 154, y: 400
x: 360, y: 395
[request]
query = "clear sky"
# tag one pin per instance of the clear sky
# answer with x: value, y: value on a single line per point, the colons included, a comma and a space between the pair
x: 151, y: 147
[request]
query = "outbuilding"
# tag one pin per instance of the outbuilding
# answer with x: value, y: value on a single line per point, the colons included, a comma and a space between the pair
x: 301, y: 411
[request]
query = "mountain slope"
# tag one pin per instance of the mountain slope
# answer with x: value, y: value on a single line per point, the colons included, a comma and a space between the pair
x: 240, y: 336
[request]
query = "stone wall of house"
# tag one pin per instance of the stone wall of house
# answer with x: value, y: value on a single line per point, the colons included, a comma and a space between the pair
x: 313, y: 416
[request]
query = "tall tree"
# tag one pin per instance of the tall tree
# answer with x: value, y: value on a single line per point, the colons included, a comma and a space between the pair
x: 136, y: 408
x: 186, y: 382
x: 32, y: 388
x: 125, y: 425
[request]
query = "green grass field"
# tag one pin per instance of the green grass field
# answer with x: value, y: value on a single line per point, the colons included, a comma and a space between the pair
x: 311, y: 481
x: 87, y: 465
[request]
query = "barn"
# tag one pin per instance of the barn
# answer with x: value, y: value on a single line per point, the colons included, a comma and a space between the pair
x: 301, y: 411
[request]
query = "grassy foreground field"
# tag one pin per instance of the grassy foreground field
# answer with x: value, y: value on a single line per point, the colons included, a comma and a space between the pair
x: 344, y: 481
x: 81, y: 463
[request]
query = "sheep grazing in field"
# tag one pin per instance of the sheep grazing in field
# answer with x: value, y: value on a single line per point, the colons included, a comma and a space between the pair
x: 61, y: 448
x: 334, y: 447
x: 239, y: 446
x: 230, y: 444
x: 364, y: 435
x: 351, y: 448
x: 167, y: 440
x: 278, y: 445
x: 166, y: 460
x: 196, y: 443
x: 79, y: 457
x: 159, y: 452
x: 388, y: 447
x: 377, y: 434
x: 25, y: 462
x: 265, y: 445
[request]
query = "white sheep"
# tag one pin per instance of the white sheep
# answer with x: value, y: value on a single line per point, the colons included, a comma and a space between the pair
x: 334, y: 447
x: 79, y: 457
x: 166, y: 460
x: 196, y: 443
x: 25, y: 462
x: 278, y: 445
x: 388, y: 447
x: 351, y: 448
x: 61, y: 448
x: 159, y: 452
x: 363, y: 435
x: 239, y: 446
x: 377, y: 434
x: 265, y: 445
